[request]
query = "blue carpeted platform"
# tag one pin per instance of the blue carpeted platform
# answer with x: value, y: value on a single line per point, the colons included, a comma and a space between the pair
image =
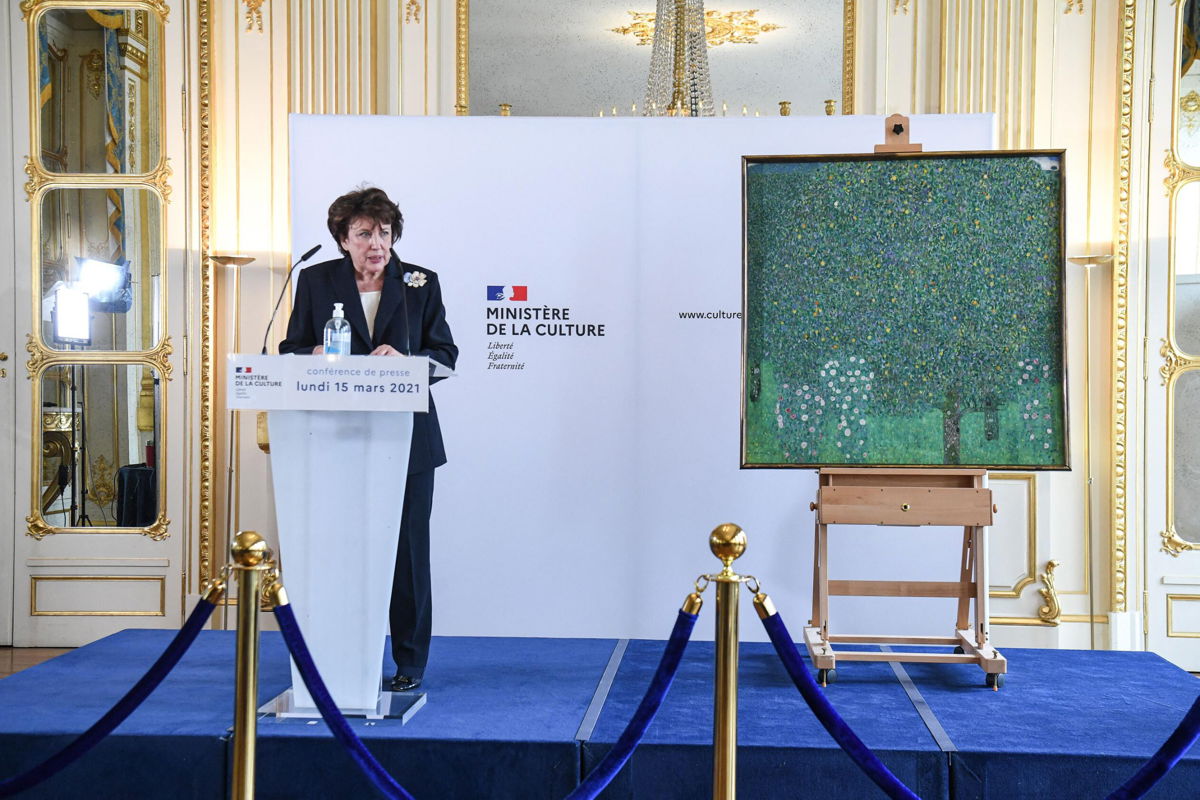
x: 504, y: 721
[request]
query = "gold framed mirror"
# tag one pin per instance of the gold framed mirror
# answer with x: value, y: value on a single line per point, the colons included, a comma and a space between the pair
x: 101, y: 464
x: 99, y: 86
x: 106, y: 243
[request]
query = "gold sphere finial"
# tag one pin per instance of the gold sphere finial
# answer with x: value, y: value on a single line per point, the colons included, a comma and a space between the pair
x: 727, y: 542
x: 249, y: 549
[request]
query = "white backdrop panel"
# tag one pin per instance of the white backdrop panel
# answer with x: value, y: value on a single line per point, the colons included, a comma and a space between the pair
x: 581, y: 488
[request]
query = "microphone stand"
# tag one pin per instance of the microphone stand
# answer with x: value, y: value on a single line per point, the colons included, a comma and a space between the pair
x: 282, y: 292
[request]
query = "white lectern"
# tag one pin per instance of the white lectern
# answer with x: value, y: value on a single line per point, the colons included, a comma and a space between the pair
x: 340, y: 432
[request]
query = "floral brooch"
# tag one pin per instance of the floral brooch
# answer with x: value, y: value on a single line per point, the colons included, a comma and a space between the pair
x: 415, y: 279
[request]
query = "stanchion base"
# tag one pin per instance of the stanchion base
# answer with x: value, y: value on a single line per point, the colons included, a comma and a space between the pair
x: 392, y: 705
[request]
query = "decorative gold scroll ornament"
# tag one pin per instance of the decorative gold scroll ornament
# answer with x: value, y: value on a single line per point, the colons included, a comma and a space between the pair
x: 1177, y: 173
x: 254, y: 15
x: 101, y: 492
x: 1174, y: 361
x: 1050, y: 611
x: 720, y: 27
x: 1189, y: 104
x: 1174, y: 544
x: 412, y: 12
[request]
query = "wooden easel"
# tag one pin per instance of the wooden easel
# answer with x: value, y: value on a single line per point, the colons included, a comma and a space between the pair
x: 857, y: 496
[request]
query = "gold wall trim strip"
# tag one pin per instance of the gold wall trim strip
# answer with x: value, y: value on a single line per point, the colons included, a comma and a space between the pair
x: 36, y: 580
x: 1120, y: 313
x: 1171, y: 632
x: 462, y: 58
x: 849, y: 53
x: 207, y: 298
x: 1037, y: 623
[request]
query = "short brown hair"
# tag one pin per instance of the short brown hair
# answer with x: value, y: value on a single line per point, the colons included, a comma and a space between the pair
x: 368, y: 203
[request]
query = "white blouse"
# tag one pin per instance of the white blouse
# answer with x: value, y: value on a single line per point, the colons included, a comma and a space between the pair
x: 370, y: 304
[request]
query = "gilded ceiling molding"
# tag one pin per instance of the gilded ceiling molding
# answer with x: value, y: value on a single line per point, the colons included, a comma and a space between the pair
x: 462, y: 71
x: 849, y: 43
x: 254, y: 16
x: 1173, y: 544
x: 1051, y: 611
x: 207, y: 298
x: 1120, y: 315
x: 1177, y: 172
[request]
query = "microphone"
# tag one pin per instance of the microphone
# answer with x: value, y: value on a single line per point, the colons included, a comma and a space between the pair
x: 286, y: 283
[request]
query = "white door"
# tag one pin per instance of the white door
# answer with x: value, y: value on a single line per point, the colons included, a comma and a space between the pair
x: 93, y: 546
x: 1172, y: 406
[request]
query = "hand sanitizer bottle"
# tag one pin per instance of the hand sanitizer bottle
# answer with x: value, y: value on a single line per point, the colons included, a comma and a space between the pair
x: 337, y: 333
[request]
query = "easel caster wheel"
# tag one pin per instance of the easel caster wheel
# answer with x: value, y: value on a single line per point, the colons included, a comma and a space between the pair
x: 826, y: 676
x: 995, y: 680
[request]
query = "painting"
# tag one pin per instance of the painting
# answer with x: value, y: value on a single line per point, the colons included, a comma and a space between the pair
x: 904, y: 310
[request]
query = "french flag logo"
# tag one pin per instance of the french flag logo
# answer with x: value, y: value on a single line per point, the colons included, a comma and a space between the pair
x: 515, y: 293
x: 245, y: 370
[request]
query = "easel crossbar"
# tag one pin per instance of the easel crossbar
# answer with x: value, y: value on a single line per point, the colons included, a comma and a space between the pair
x: 902, y: 588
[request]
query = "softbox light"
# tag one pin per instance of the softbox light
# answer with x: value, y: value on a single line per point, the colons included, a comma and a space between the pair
x: 71, y: 316
x: 107, y: 284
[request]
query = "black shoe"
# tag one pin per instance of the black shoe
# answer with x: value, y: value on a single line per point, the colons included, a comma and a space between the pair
x: 404, y: 683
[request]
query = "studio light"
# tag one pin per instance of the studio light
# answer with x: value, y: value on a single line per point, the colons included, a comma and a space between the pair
x: 72, y: 316
x: 106, y: 284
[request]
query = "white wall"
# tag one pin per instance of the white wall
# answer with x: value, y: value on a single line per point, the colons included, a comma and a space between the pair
x: 580, y: 490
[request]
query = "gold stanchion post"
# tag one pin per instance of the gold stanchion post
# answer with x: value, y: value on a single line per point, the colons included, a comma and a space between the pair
x: 727, y: 542
x: 251, y: 558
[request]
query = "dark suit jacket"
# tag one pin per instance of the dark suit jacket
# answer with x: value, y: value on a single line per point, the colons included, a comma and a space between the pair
x: 412, y: 320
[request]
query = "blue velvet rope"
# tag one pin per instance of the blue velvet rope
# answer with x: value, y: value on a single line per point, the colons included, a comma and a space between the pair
x: 119, y: 712
x: 867, y: 761
x: 329, y: 710
x: 603, y: 773
x: 1159, y: 764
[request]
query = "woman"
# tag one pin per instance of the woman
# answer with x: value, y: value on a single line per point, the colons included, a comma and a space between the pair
x: 393, y: 309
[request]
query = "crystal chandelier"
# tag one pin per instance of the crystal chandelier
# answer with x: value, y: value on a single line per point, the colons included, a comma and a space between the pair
x: 678, y: 84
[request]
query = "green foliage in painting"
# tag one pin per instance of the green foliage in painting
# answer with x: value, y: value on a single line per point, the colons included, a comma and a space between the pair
x: 905, y: 311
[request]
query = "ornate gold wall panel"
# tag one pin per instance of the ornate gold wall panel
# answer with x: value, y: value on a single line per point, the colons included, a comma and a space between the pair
x: 1030, y: 482
x: 1172, y: 599
x: 36, y: 581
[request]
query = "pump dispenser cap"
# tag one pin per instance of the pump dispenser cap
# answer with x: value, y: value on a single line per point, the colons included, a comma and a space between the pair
x: 337, y: 311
